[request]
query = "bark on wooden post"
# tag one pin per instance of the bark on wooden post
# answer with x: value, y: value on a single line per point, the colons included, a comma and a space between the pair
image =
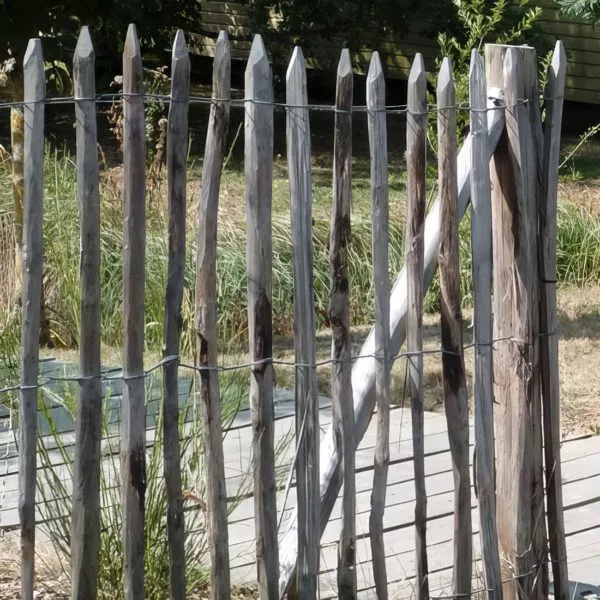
x: 85, y: 525
x: 380, y: 241
x: 177, y: 146
x: 483, y: 375
x: 363, y: 371
x: 307, y: 409
x: 34, y: 95
x: 339, y: 315
x: 258, y: 164
x: 206, y: 320
x: 514, y: 211
x: 553, y: 95
x: 453, y: 360
x: 133, y: 446
x: 416, y: 123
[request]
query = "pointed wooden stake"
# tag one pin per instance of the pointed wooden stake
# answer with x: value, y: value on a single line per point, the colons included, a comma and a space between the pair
x: 133, y: 446
x: 380, y: 241
x: 307, y: 409
x: 177, y: 146
x: 258, y: 164
x: 85, y: 526
x: 416, y: 124
x: 206, y: 321
x: 481, y: 242
x: 33, y: 249
x: 339, y: 309
x: 456, y: 400
x: 554, y: 93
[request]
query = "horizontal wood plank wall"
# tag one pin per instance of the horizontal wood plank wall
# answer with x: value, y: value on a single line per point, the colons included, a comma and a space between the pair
x: 581, y: 40
x: 233, y: 16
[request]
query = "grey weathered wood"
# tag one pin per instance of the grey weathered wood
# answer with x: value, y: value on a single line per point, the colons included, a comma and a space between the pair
x: 416, y: 124
x: 85, y: 525
x: 307, y: 409
x: 258, y: 165
x: 535, y: 141
x: 453, y: 360
x: 177, y: 145
x: 33, y: 201
x: 514, y: 221
x: 481, y: 244
x: 133, y: 458
x: 549, y: 322
x: 381, y: 280
x: 363, y: 371
x: 339, y: 316
x: 206, y: 320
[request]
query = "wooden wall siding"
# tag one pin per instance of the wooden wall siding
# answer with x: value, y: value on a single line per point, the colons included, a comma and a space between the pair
x: 581, y: 40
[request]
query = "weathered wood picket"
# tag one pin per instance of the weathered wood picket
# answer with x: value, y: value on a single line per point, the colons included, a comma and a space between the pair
x: 513, y: 235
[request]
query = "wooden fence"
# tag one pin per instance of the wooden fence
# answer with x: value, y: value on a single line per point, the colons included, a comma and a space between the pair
x: 507, y: 167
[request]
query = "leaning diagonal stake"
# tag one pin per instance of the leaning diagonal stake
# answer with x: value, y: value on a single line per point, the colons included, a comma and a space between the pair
x: 549, y: 322
x: 363, y: 373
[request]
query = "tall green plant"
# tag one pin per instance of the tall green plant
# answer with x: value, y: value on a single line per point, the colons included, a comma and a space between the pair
x: 54, y: 487
x: 481, y: 22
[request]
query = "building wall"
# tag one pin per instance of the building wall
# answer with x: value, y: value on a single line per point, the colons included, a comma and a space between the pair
x: 582, y: 43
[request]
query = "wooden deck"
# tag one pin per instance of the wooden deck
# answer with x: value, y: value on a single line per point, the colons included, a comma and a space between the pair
x: 581, y: 485
x: 581, y: 479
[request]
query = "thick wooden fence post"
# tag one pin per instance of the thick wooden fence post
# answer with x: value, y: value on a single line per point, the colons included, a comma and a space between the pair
x: 133, y: 446
x: 206, y: 320
x: 339, y: 315
x: 554, y: 93
x: 307, y: 408
x: 514, y: 211
x: 381, y: 279
x: 177, y: 146
x: 416, y: 123
x: 85, y: 526
x: 363, y: 371
x: 258, y: 165
x: 481, y: 243
x: 33, y: 208
x: 453, y: 360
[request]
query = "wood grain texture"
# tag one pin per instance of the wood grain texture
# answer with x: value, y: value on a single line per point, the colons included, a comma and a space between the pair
x: 381, y: 280
x: 363, y: 370
x: 339, y: 316
x: 33, y: 248
x: 307, y: 409
x: 85, y: 524
x: 258, y: 165
x: 553, y: 94
x: 483, y: 374
x: 416, y: 124
x: 206, y: 321
x: 535, y: 141
x: 177, y: 146
x: 514, y: 232
x: 133, y: 457
x: 456, y: 401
